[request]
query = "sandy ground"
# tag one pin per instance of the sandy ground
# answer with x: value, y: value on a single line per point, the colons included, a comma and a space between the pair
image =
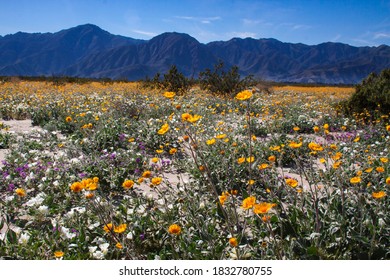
x: 17, y: 127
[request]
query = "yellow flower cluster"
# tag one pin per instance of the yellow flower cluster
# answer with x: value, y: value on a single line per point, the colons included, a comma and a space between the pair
x: 315, y: 147
x: 89, y: 184
x: 295, y: 145
x: 186, y: 117
x: 117, y: 229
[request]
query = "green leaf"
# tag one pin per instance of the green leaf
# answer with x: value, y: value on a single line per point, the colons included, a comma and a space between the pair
x: 312, y: 250
x: 11, y: 236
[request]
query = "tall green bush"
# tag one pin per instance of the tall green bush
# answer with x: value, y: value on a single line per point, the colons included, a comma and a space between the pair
x: 373, y: 93
x: 173, y: 80
x: 224, y: 83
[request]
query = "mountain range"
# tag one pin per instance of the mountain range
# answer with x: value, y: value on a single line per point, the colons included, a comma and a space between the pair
x: 89, y: 51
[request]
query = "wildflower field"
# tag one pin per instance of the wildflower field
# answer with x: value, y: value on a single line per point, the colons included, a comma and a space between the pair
x: 121, y: 172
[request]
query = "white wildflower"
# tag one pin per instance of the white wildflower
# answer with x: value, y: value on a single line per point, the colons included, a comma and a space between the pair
x: 43, y: 209
x: 24, y: 237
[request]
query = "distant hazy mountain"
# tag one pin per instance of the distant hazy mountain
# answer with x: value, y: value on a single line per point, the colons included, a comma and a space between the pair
x: 88, y: 51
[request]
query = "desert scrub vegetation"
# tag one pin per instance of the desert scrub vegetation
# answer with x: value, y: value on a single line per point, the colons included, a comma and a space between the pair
x: 372, y: 96
x: 126, y: 172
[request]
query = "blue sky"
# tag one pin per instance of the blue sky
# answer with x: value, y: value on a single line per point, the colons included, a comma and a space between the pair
x: 355, y: 22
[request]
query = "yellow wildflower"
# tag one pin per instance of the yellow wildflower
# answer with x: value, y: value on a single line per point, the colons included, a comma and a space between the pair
x: 336, y: 164
x: 120, y: 229
x: 146, y: 174
x: 262, y: 208
x: 291, y: 182
x: 250, y: 159
x: 355, y: 180
x: 380, y: 169
x: 77, y: 187
x: 156, y: 181
x: 272, y: 158
x: 369, y: 170
x: 315, y: 147
x: 169, y: 94
x: 58, y: 254
x: 222, y: 198
x: 233, y: 242
x: 333, y: 146
x: 190, y: 118
x: 128, y: 184
x: 248, y: 202
x: 108, y: 227
x: 275, y: 148
x: 20, y: 192
x: 295, y: 145
x: 163, y: 129
x: 378, y: 195
x: 244, y: 95
x: 263, y: 166
x: 337, y: 156
x: 174, y: 229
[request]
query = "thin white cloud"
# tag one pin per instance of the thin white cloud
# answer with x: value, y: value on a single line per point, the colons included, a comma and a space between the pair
x: 381, y: 35
x: 301, y: 27
x: 204, y: 20
x: 294, y: 26
x: 185, y: 17
x: 146, y: 33
x: 242, y: 34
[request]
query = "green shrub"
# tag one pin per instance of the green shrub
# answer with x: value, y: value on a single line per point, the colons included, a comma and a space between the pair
x: 224, y: 83
x: 173, y: 80
x: 373, y: 93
